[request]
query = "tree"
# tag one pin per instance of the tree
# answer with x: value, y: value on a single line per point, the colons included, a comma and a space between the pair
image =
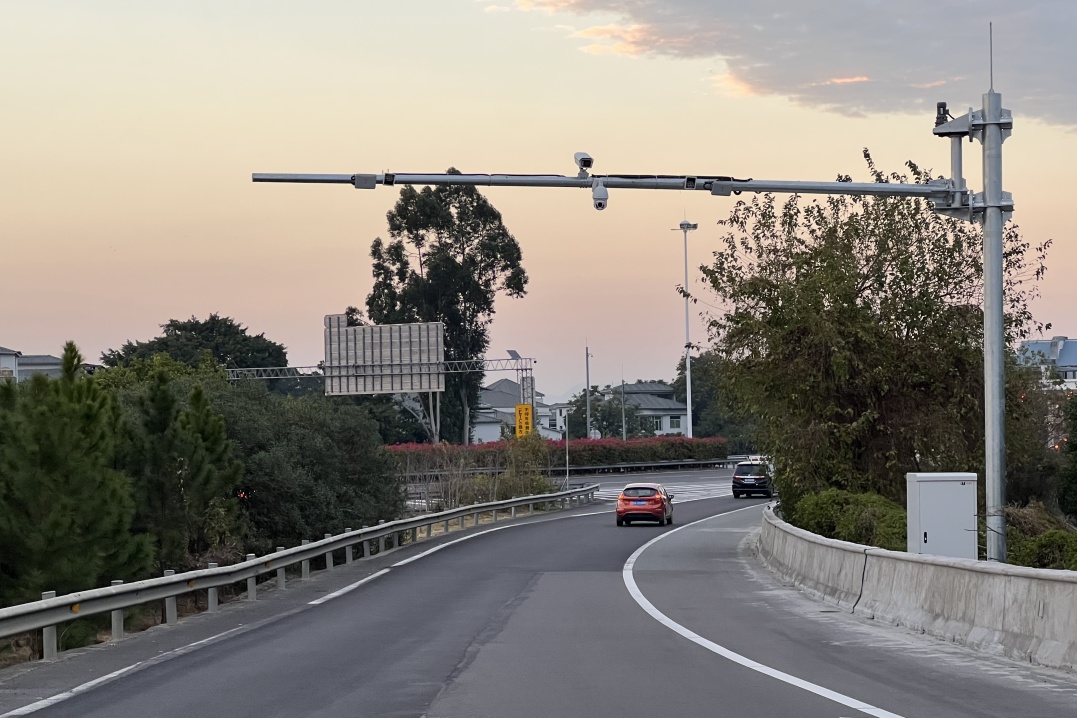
x: 65, y: 511
x: 313, y: 464
x: 605, y: 415
x: 184, y: 341
x: 854, y: 335
x: 183, y: 472
x: 712, y: 412
x: 449, y: 257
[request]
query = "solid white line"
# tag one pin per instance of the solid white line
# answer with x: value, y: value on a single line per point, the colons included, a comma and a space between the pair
x: 630, y: 584
x: 59, y: 697
x: 346, y: 589
x: 418, y: 556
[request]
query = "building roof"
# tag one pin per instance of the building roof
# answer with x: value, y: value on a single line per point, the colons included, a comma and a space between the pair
x: 39, y: 359
x: 9, y: 352
x: 655, y: 403
x: 646, y: 387
x: 503, y: 400
x: 1056, y: 351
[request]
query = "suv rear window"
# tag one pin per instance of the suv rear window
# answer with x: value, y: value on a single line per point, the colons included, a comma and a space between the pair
x: 750, y: 470
x: 639, y: 492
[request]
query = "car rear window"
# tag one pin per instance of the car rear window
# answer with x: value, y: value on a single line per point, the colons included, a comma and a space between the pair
x: 750, y: 470
x: 637, y: 492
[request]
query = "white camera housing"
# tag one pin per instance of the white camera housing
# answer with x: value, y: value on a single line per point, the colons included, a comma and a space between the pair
x: 600, y: 195
x: 584, y: 161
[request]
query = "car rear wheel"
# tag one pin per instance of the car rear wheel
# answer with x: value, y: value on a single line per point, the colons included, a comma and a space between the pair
x: 669, y: 521
x: 620, y: 521
x: 737, y: 494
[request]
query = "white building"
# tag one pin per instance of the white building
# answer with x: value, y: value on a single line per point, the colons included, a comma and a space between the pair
x: 496, y: 414
x: 1057, y: 353
x: 655, y: 405
x: 16, y: 365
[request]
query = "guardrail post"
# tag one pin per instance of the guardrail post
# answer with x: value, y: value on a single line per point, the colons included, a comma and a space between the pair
x: 252, y: 583
x: 475, y: 519
x: 212, y: 599
x: 513, y: 512
x: 117, y: 618
x: 381, y: 544
x: 282, y: 580
x: 48, y: 634
x: 364, y: 546
x: 348, y: 549
x: 530, y: 509
x: 171, y: 614
x: 305, y: 565
x: 328, y: 556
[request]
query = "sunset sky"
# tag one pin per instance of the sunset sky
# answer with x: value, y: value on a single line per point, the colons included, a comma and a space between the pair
x: 130, y: 130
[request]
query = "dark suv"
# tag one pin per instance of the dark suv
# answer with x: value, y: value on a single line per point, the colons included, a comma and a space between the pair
x: 752, y: 477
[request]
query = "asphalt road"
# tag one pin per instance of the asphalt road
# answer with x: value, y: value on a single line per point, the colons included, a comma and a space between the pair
x: 540, y: 620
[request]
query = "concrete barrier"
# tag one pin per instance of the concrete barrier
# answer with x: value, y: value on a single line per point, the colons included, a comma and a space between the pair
x: 824, y: 568
x: 1022, y: 613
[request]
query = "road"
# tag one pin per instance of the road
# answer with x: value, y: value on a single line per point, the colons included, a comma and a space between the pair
x: 543, y: 619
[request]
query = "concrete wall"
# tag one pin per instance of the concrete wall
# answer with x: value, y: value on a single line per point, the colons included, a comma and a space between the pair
x: 1023, y: 613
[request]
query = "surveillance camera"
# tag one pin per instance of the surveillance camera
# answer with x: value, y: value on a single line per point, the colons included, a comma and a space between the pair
x: 584, y: 161
x: 600, y: 195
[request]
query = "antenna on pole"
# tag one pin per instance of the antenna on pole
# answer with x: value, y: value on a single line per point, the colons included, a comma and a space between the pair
x: 991, y: 53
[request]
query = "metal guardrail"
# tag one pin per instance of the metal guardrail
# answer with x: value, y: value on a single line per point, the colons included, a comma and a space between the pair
x: 48, y: 612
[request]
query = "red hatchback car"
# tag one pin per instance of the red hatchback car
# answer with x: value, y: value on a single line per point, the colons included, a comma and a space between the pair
x: 644, y: 502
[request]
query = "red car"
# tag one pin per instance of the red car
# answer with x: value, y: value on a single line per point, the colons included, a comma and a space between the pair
x: 644, y: 502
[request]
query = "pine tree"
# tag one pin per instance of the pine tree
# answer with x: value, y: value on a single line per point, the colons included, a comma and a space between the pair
x: 65, y: 511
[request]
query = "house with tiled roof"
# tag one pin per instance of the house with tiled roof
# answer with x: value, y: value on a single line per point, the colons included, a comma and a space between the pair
x: 655, y: 405
x: 20, y: 367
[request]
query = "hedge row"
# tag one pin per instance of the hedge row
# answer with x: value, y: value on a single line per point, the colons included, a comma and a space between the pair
x: 867, y: 519
x: 582, y: 452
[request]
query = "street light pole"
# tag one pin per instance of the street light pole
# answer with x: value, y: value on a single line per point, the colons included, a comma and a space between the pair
x: 587, y: 388
x: 686, y: 227
x: 624, y: 426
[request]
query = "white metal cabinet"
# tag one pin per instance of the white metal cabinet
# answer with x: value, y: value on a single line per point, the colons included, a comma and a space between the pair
x: 942, y: 514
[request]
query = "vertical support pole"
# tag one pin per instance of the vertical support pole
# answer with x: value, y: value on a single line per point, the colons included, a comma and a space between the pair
x: 48, y: 634
x: 171, y: 614
x: 211, y: 598
x: 252, y: 583
x: 994, y: 365
x: 687, y: 342
x: 381, y: 544
x: 117, y: 618
x: 304, y: 571
x: 328, y: 556
x: 282, y: 579
x: 348, y: 558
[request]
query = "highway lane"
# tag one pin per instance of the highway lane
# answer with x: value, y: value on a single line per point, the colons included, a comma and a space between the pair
x: 536, y: 620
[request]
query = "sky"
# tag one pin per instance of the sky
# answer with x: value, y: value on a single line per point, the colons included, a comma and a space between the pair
x: 129, y: 131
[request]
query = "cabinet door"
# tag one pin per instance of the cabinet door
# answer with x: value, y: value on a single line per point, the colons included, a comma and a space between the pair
x: 948, y: 519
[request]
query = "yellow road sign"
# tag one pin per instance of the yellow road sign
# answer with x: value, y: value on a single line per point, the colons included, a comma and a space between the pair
x: 524, y: 420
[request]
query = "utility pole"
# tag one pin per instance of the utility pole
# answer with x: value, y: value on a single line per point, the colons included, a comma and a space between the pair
x: 587, y: 388
x: 687, y: 227
x: 624, y: 426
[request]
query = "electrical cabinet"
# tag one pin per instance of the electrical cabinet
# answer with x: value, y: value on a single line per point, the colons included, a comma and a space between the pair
x: 942, y: 514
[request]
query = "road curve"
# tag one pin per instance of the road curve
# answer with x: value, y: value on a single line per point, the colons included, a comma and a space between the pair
x: 536, y: 620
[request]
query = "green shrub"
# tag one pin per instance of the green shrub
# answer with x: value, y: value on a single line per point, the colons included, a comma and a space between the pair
x: 1055, y: 549
x: 868, y: 519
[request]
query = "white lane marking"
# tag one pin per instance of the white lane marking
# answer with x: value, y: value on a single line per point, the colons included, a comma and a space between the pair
x: 53, y: 700
x: 346, y: 589
x: 59, y: 697
x: 637, y: 595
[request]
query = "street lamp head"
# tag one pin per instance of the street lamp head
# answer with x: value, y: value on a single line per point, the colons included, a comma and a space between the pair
x: 686, y: 225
